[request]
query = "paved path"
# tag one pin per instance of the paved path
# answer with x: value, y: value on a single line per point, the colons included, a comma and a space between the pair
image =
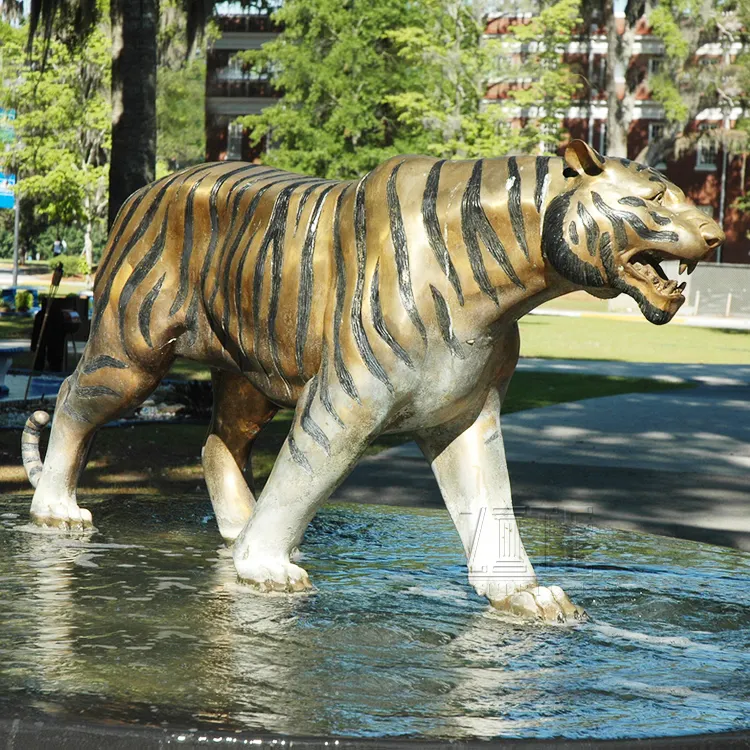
x: 675, y: 463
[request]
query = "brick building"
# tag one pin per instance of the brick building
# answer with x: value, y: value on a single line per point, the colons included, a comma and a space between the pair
x: 232, y: 90
x: 699, y: 170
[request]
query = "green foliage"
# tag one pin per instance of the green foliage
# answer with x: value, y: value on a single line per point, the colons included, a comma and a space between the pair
x: 337, y: 67
x: 73, y: 265
x: 62, y: 147
x: 24, y: 300
x: 554, y: 83
x: 180, y: 114
x: 180, y: 93
x: 450, y: 69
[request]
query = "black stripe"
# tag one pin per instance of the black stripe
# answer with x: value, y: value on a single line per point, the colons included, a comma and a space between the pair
x: 35, y: 471
x: 140, y: 272
x: 662, y: 221
x: 95, y: 391
x: 144, y: 314
x: 342, y: 372
x: 223, y: 276
x: 514, y: 205
x: 271, y: 229
x: 542, y: 169
x: 379, y: 322
x: 573, y: 231
x: 618, y: 217
x: 131, y: 208
x: 432, y: 227
x: 358, y: 329
x: 309, y: 425
x: 475, y: 222
x: 298, y: 456
x: 302, y: 202
x: 208, y: 270
x: 278, y: 229
x: 191, y: 318
x: 398, y: 236
x: 264, y: 173
x: 590, y: 227
x: 237, y: 277
x: 187, y: 241
x: 632, y: 200
x: 135, y: 237
x: 102, y: 361
x: 325, y: 394
x: 446, y: 325
x: 306, y: 280
x: 74, y: 414
x: 556, y: 249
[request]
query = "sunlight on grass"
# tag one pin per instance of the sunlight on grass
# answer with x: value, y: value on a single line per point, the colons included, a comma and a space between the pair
x: 630, y: 341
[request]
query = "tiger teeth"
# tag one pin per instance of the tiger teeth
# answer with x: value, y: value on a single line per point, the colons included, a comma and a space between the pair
x: 688, y: 266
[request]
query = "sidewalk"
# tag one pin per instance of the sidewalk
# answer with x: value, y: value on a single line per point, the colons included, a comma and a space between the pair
x: 674, y: 463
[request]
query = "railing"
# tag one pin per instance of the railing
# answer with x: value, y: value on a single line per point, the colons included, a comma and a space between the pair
x: 247, y: 24
x: 244, y: 87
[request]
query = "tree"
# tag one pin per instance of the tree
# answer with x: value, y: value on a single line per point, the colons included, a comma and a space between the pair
x: 688, y: 83
x: 621, y: 79
x: 62, y: 147
x: 181, y: 88
x: 554, y: 83
x: 336, y: 66
x: 134, y: 29
x: 451, y: 69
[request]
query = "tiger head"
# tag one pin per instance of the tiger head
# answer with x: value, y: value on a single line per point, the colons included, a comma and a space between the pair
x: 613, y: 224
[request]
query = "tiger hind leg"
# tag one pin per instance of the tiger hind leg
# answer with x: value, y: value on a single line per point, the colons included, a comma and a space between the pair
x: 101, y: 388
x: 240, y: 412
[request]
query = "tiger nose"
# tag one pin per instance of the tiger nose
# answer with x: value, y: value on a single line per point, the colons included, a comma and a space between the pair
x: 712, y: 235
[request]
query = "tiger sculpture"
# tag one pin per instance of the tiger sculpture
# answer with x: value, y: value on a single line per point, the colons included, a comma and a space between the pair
x: 386, y: 304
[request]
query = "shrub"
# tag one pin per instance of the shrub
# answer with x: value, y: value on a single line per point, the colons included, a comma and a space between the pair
x: 73, y: 265
x: 24, y: 300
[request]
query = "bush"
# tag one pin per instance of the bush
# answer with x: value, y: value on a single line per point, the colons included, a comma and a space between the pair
x: 73, y: 265
x: 24, y: 300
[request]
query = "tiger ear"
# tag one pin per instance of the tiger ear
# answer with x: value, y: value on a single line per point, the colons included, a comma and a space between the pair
x: 582, y: 159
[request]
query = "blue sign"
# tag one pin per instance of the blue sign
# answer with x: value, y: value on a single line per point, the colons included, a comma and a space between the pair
x: 7, y: 196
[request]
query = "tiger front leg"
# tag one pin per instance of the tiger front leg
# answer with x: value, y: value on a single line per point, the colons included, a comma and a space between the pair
x: 329, y: 434
x: 469, y: 463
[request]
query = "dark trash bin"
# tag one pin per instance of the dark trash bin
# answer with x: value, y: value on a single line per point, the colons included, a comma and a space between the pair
x: 62, y: 322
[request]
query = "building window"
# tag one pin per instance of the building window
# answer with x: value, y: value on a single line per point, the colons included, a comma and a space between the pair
x: 234, y: 141
x: 706, y: 153
x: 655, y: 131
x: 654, y: 65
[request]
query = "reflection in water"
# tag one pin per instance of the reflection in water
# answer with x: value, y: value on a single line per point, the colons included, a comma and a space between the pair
x: 145, y: 622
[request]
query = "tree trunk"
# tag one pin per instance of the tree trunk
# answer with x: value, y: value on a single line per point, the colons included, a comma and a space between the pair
x: 134, y: 43
x: 620, y: 85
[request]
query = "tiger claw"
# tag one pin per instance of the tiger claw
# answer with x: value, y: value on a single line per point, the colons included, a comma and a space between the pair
x: 546, y: 604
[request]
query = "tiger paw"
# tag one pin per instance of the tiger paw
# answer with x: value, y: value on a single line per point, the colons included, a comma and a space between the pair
x: 64, y: 517
x: 546, y: 603
x: 268, y: 574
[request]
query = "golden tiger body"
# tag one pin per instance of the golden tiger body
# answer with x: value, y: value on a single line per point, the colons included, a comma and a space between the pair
x: 385, y: 304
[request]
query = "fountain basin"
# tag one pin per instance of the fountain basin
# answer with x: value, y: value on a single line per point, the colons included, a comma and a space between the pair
x: 144, y: 624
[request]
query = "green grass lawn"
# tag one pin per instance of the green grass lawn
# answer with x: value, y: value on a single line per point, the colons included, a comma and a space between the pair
x: 165, y: 458
x: 630, y: 341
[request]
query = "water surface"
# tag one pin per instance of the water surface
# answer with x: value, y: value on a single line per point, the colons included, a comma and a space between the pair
x: 145, y: 623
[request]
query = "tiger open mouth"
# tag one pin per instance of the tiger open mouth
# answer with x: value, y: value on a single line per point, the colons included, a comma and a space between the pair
x: 645, y: 265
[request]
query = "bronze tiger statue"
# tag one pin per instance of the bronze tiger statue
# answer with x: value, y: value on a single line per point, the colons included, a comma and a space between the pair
x: 384, y: 305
